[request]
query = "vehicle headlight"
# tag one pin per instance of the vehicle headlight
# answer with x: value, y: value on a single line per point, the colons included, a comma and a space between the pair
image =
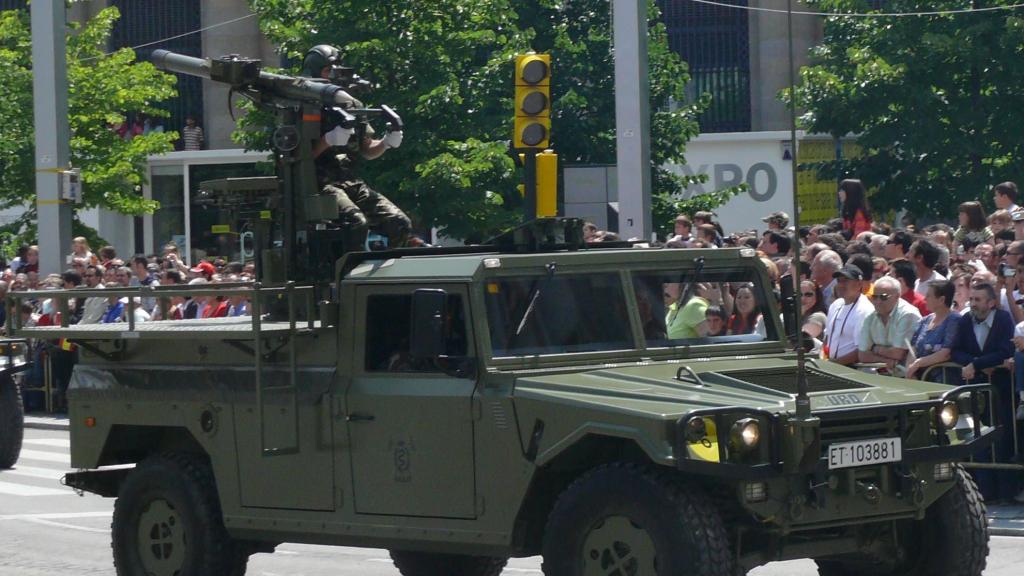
x: 696, y: 430
x: 949, y: 414
x: 746, y: 434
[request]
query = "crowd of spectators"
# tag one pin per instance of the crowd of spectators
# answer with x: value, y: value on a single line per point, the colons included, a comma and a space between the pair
x: 101, y: 271
x: 937, y: 302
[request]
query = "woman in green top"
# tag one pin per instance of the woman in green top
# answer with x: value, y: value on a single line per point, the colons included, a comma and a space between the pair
x: 686, y: 318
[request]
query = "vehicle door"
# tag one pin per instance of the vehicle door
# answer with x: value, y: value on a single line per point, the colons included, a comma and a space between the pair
x: 410, y: 421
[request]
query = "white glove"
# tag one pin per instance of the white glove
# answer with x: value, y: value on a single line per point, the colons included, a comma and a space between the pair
x: 393, y: 139
x: 339, y: 136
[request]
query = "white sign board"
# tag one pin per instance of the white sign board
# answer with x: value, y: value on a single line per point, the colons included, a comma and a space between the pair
x: 758, y: 159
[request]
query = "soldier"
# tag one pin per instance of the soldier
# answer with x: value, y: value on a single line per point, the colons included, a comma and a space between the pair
x: 337, y: 156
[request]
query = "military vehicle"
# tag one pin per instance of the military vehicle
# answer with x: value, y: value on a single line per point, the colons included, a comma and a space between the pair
x: 534, y: 395
x: 12, y: 414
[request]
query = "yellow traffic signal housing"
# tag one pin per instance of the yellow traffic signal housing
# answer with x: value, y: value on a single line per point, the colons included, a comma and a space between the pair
x: 533, y: 101
x: 547, y: 184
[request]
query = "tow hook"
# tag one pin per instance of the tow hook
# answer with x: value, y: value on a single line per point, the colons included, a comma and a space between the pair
x: 870, y: 492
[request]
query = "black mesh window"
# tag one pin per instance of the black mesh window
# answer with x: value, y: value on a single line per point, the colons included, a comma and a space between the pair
x: 388, y: 329
x: 715, y: 42
x: 144, y: 21
x: 13, y: 4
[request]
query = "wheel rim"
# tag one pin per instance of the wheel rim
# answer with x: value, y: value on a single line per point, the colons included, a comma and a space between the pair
x: 161, y: 539
x: 617, y: 546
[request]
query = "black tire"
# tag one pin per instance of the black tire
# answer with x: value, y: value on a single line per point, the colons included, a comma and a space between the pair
x: 636, y: 521
x: 172, y: 499
x: 952, y: 540
x: 12, y: 422
x: 427, y: 564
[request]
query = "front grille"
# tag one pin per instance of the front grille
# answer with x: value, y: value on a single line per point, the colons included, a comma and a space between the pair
x: 785, y: 380
x: 849, y: 428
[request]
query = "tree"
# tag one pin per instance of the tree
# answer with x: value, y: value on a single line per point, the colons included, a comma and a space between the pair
x: 446, y: 65
x: 102, y: 89
x: 933, y: 100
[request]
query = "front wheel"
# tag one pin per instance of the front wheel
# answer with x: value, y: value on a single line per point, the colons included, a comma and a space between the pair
x: 952, y: 540
x: 427, y: 564
x: 167, y: 522
x: 12, y: 422
x: 632, y: 520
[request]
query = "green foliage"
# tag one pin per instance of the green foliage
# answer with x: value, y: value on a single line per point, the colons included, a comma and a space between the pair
x: 101, y: 90
x: 447, y: 66
x: 933, y: 99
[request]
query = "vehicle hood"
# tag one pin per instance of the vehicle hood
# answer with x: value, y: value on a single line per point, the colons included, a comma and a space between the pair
x: 674, y: 388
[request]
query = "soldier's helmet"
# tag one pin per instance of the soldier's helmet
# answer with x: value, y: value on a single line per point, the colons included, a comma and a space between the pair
x: 318, y: 57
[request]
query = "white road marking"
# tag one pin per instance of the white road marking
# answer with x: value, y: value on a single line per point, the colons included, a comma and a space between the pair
x: 46, y: 457
x: 51, y: 442
x: 47, y: 473
x: 23, y: 490
x: 67, y: 526
x: 58, y: 515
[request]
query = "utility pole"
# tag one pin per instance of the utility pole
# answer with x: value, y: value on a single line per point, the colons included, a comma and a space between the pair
x: 52, y: 152
x: 632, y: 118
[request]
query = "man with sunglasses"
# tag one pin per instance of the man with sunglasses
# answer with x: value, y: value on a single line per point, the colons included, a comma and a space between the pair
x: 95, y: 308
x: 885, y: 336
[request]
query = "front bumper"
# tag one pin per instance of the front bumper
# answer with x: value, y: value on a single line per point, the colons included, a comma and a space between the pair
x: 798, y: 448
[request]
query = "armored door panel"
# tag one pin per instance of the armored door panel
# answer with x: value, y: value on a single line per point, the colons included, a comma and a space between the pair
x: 414, y: 458
x: 409, y: 422
x: 302, y: 479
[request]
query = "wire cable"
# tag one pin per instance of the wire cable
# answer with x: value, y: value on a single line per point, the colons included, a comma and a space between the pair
x: 864, y: 14
x: 175, y: 37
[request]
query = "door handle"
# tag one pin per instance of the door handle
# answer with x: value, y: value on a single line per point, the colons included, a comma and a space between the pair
x: 360, y: 417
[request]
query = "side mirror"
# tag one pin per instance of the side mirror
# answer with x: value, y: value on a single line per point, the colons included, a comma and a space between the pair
x: 789, y: 302
x: 429, y: 314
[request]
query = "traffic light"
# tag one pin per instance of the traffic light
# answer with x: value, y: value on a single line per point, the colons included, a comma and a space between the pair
x: 533, y: 101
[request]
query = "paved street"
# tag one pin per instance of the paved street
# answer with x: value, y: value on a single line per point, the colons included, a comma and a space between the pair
x: 49, y: 531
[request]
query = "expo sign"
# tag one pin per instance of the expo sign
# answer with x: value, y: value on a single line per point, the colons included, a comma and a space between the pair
x: 762, y: 179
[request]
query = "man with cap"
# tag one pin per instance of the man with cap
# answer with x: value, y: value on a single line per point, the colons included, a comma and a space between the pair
x: 203, y: 270
x: 340, y: 150
x: 846, y: 316
x: 777, y: 221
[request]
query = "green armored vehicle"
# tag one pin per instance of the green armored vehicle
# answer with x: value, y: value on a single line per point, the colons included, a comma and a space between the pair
x: 13, y: 360
x: 460, y: 407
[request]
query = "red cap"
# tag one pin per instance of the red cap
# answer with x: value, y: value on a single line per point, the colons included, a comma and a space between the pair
x: 204, y: 268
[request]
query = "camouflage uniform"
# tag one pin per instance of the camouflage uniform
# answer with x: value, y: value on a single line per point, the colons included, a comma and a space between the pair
x: 360, y: 206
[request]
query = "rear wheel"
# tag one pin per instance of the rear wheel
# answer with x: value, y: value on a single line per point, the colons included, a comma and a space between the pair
x: 632, y: 520
x: 952, y: 540
x: 427, y: 564
x: 12, y: 422
x: 167, y: 522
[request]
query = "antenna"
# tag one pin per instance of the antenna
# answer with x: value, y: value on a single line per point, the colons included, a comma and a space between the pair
x: 803, y: 401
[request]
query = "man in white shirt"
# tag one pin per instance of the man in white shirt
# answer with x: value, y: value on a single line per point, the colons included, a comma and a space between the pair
x: 845, y: 316
x: 1005, y: 196
x: 925, y: 255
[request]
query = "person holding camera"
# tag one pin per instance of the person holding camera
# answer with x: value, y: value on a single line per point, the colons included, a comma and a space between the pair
x: 338, y: 154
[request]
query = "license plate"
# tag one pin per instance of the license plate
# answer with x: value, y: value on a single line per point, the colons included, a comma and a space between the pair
x: 865, y: 452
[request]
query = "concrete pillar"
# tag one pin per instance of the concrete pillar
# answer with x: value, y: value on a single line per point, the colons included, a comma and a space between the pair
x: 632, y: 117
x: 53, y: 153
x: 243, y: 38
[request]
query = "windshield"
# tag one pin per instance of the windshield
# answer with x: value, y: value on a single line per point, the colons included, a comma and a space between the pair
x: 574, y: 313
x: 714, y: 307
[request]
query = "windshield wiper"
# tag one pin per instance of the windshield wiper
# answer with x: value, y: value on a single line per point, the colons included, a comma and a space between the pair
x: 535, y: 297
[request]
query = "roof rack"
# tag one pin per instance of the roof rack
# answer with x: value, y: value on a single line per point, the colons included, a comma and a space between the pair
x: 540, y: 235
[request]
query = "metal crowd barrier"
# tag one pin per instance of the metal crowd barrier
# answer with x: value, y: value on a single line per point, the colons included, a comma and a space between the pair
x: 1012, y: 429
